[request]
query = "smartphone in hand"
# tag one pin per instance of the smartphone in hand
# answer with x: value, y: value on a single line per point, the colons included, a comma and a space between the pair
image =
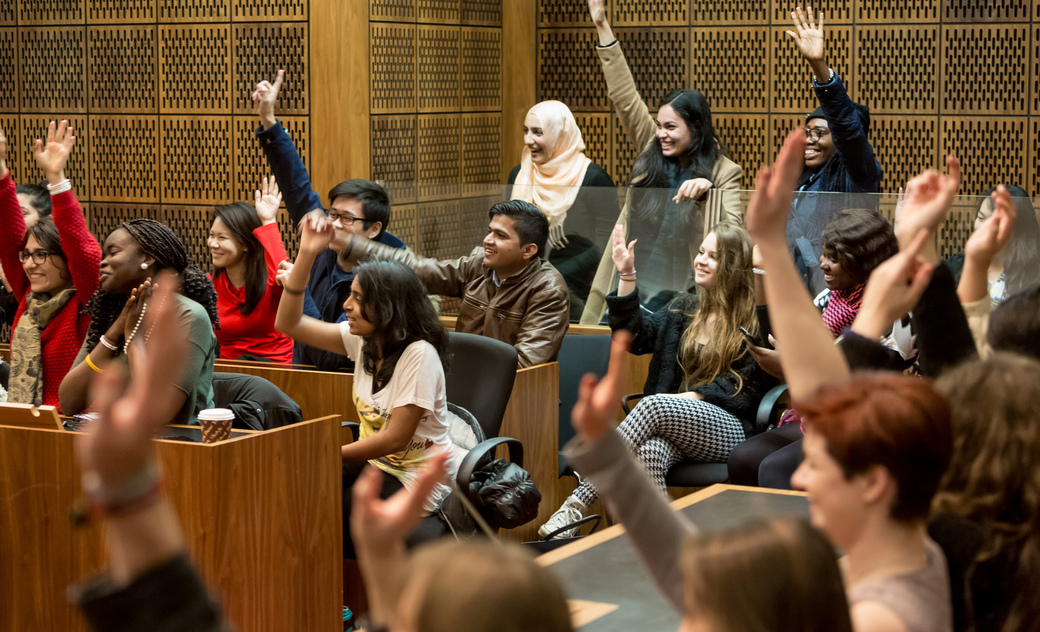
x: 749, y: 337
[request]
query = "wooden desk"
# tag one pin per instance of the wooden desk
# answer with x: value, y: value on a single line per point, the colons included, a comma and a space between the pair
x: 261, y: 513
x: 318, y: 393
x: 603, y: 577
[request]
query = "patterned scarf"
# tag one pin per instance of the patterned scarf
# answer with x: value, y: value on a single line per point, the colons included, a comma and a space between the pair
x: 841, y: 309
x: 26, y: 383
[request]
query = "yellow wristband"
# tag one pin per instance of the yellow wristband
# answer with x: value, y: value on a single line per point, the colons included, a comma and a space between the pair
x: 92, y: 365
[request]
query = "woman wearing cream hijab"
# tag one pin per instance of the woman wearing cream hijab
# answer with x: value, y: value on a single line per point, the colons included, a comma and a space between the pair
x: 576, y: 195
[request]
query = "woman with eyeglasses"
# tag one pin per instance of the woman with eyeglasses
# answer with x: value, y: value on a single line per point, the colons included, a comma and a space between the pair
x: 52, y: 268
x: 838, y: 155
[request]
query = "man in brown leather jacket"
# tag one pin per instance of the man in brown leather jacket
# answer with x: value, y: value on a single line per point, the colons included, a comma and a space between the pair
x: 509, y: 292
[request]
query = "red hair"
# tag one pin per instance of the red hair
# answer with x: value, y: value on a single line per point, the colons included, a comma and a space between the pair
x: 898, y: 422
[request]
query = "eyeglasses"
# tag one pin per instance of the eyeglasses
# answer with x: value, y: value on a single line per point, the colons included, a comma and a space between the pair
x: 816, y: 133
x: 38, y: 256
x: 344, y: 218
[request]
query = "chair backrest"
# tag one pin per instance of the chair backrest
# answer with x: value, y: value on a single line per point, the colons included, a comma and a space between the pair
x: 258, y: 404
x: 480, y: 377
x: 580, y: 354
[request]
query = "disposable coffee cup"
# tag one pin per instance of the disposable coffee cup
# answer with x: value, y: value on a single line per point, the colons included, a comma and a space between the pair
x: 216, y: 424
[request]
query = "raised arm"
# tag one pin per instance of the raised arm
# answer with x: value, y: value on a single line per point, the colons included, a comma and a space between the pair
x: 983, y: 246
x: 316, y: 233
x: 80, y: 247
x: 14, y: 227
x: 447, y: 277
x: 266, y: 201
x: 282, y: 157
x: 808, y: 355
x: 635, y: 117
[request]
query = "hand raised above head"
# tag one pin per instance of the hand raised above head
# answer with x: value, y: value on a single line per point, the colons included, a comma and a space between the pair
x: 927, y: 204
x: 892, y: 290
x: 624, y: 257
x: 265, y: 96
x: 267, y: 200
x: 991, y: 237
x: 770, y: 204
x: 808, y: 34
x: 54, y: 154
x: 316, y: 233
x: 600, y: 400
x: 597, y: 11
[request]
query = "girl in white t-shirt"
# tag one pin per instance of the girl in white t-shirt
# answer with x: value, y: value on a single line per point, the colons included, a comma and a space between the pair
x: 398, y: 345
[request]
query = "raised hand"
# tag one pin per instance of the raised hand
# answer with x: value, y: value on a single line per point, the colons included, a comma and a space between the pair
x: 265, y: 96
x: 118, y: 444
x: 378, y: 526
x: 808, y: 37
x: 624, y: 257
x: 135, y: 309
x: 991, y: 237
x: 770, y: 204
x: 267, y: 201
x: 894, y: 287
x: 692, y: 189
x: 53, y: 155
x: 926, y: 205
x: 3, y: 154
x: 600, y: 400
x: 316, y: 233
x: 597, y: 12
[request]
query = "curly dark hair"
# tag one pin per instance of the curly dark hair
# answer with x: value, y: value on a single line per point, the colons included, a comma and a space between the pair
x: 394, y: 300
x: 157, y: 240
x: 861, y: 239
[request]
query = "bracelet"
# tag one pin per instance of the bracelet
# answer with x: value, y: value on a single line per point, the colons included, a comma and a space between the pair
x: 288, y: 290
x: 93, y: 366
x: 758, y: 270
x: 61, y: 187
x: 108, y: 345
x: 632, y: 273
x: 136, y: 487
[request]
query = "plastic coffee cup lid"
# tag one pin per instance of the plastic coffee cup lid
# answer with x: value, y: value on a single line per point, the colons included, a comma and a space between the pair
x: 216, y: 414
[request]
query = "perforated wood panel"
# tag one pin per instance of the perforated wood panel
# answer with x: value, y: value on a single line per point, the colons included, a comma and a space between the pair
x: 959, y: 225
x: 731, y: 67
x: 780, y: 125
x: 121, y: 11
x: 404, y: 223
x: 897, y: 68
x: 269, y: 10
x: 659, y: 59
x: 481, y: 153
x: 438, y: 72
x: 977, y: 140
x: 392, y: 78
x: 52, y: 67
x: 985, y: 69
x: 8, y: 14
x: 13, y: 132
x: 194, y: 69
x: 985, y: 10
x: 438, y: 156
x: 905, y: 146
x: 439, y: 11
x: 393, y: 142
x: 746, y: 136
x: 554, y: 13
x: 195, y: 155
x: 642, y: 13
x: 191, y: 225
x: 897, y: 11
x: 9, y: 70
x: 723, y: 12
x: 35, y: 126
x: 440, y: 228
x: 792, y: 79
x: 122, y: 65
x: 481, y: 69
x: 391, y: 10
x: 125, y: 158
x: 250, y: 164
x: 595, y: 131
x: 569, y: 70
x: 483, y: 12
x: 834, y: 11
x: 260, y: 50
x: 194, y: 10
x: 622, y: 152
x: 1033, y: 185
x: 103, y: 217
x: 49, y: 11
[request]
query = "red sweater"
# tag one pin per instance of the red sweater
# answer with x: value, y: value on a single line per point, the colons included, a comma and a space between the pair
x: 64, y: 336
x: 254, y: 333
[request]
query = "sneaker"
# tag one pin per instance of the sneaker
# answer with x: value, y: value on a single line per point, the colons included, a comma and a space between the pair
x: 572, y: 510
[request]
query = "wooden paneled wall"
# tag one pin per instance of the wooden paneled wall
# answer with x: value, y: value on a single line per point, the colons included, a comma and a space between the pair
x: 940, y: 76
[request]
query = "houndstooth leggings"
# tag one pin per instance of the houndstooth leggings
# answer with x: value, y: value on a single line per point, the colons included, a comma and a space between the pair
x: 663, y: 430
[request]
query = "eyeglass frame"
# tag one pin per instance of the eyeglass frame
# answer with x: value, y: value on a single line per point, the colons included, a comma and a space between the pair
x: 816, y: 133
x: 344, y: 218
x: 39, y: 256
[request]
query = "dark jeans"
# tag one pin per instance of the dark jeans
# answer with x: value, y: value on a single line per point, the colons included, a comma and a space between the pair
x: 747, y: 459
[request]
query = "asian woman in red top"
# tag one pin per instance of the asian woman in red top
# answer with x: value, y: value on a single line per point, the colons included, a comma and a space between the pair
x: 52, y: 268
x: 246, y: 248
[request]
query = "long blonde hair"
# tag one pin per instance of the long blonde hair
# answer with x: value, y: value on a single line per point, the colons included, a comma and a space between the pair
x: 727, y: 305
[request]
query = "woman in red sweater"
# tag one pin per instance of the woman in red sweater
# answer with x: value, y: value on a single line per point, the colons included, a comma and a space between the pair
x: 53, y: 270
x: 246, y: 248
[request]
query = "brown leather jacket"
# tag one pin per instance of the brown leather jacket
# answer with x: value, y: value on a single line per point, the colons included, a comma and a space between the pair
x: 529, y: 310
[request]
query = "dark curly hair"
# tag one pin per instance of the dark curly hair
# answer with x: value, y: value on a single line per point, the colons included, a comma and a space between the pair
x: 157, y: 240
x: 861, y: 240
x: 394, y: 300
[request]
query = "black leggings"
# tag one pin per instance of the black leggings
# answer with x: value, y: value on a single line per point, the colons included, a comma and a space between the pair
x: 767, y: 456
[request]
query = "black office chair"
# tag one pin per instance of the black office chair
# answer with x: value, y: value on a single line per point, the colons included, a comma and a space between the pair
x: 580, y: 354
x: 257, y: 403
x: 699, y: 474
x: 480, y: 377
